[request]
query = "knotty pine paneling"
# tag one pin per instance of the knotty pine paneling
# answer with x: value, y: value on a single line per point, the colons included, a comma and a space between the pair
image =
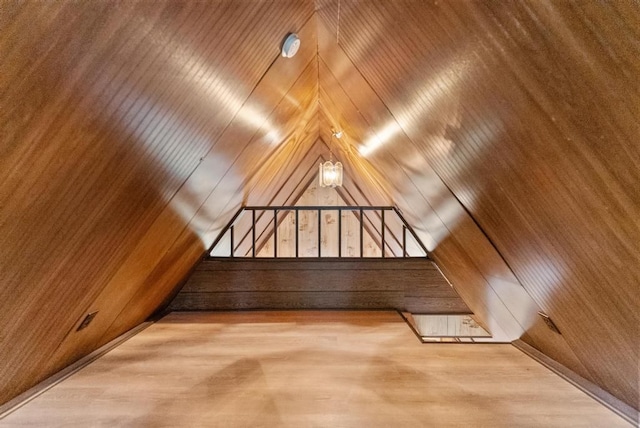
x: 295, y: 169
x: 107, y: 110
x: 414, y: 285
x: 528, y: 115
x: 314, y: 195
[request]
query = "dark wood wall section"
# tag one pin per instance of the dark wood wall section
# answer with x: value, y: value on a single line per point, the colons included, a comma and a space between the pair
x: 130, y: 132
x: 413, y: 285
x: 481, y: 276
x: 517, y: 124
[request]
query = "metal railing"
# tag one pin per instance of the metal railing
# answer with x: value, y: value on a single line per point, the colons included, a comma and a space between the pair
x: 251, y: 228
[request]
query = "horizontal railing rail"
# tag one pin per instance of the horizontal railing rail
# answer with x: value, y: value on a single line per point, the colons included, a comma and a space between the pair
x: 250, y: 237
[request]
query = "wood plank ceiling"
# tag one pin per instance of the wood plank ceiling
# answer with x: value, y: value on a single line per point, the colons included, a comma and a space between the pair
x: 507, y: 135
x: 130, y: 131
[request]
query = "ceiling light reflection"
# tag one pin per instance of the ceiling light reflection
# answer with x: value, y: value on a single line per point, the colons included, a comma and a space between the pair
x: 443, y: 88
x: 379, y: 138
x: 218, y: 91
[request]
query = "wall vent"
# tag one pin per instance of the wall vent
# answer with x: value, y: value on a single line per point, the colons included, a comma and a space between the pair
x: 87, y: 320
x: 552, y: 326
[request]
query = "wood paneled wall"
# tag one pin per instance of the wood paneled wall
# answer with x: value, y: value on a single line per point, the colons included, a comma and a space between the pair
x: 130, y: 133
x: 314, y: 195
x: 513, y: 129
x: 414, y: 285
x: 447, y: 326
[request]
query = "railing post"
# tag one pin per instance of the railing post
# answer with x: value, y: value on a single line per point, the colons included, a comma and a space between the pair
x: 361, y: 233
x: 253, y: 233
x: 339, y: 233
x: 275, y: 233
x: 404, y: 241
x: 297, y: 226
x: 231, y: 230
x: 382, y: 215
x: 319, y: 233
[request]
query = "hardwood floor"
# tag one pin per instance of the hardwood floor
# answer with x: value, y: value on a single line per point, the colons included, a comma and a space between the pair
x: 302, y: 369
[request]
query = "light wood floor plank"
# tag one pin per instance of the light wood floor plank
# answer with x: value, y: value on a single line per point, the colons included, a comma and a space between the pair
x: 308, y: 369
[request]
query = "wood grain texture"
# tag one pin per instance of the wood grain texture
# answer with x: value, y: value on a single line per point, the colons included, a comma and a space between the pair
x: 292, y: 369
x: 314, y: 195
x: 161, y: 293
x: 427, y: 204
x: 446, y: 326
x: 110, y: 114
x: 300, y: 149
x: 130, y: 132
x: 21, y: 399
x: 413, y: 285
x: 627, y: 412
x: 527, y: 115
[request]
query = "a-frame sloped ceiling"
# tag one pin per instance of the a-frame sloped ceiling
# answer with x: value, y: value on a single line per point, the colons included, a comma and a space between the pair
x: 130, y: 132
x: 506, y: 133
x: 510, y: 137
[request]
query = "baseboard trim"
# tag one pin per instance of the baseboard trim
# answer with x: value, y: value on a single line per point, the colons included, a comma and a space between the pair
x: 33, y: 392
x: 622, y: 409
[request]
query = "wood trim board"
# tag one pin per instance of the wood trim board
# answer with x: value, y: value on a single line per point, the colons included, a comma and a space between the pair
x: 40, y: 388
x: 622, y: 409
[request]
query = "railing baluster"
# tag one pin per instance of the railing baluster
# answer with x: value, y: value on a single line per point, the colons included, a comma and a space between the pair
x: 413, y: 233
x: 297, y: 227
x: 354, y: 210
x: 404, y: 241
x: 231, y: 230
x: 361, y: 233
x: 275, y: 233
x: 382, y: 215
x: 319, y: 233
x: 339, y: 233
x: 253, y: 233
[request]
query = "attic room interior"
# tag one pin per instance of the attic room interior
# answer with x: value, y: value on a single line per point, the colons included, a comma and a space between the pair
x: 173, y: 254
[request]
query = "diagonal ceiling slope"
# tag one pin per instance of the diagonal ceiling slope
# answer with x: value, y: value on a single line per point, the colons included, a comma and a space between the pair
x: 131, y: 132
x: 508, y: 137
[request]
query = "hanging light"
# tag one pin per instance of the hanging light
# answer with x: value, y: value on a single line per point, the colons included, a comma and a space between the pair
x: 331, y: 173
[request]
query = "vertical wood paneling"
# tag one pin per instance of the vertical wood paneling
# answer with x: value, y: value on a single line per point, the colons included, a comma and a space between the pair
x: 314, y: 195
